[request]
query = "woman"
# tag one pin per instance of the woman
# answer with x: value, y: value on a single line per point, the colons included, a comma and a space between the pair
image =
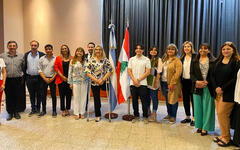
x: 77, y: 80
x: 203, y: 102
x: 187, y: 56
x: 3, y: 76
x: 61, y: 67
x: 171, y: 84
x: 153, y: 81
x: 224, y: 80
x: 99, y: 70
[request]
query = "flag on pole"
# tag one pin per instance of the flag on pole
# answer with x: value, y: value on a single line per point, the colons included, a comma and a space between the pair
x: 112, y: 59
x: 123, y: 78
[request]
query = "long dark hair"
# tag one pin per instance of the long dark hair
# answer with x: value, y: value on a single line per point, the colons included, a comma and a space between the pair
x: 153, y: 58
x: 210, y: 55
x: 235, y: 55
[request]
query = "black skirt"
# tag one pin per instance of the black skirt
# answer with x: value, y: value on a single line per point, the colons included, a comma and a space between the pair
x: 235, y: 124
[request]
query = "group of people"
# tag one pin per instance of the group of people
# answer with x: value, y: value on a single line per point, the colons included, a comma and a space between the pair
x: 206, y: 82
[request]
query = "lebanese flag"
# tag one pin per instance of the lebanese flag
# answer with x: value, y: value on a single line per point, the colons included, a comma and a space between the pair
x: 122, y: 75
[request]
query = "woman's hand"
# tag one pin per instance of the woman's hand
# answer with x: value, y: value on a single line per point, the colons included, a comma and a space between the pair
x: 219, y: 90
x: 2, y: 87
x: 71, y: 86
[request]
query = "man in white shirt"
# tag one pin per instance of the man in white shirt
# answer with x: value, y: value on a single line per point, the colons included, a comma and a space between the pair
x: 138, y: 69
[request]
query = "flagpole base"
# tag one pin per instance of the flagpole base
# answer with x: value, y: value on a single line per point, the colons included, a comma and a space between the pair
x: 128, y: 117
x: 112, y: 115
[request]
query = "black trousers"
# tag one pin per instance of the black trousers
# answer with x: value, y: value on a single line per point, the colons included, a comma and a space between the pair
x: 65, y: 91
x: 141, y: 91
x: 235, y: 123
x: 15, y: 95
x: 97, y: 100
x: 33, y: 85
x: 44, y: 87
x: 187, y: 96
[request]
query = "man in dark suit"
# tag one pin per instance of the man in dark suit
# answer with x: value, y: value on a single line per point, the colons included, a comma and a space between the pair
x: 31, y: 59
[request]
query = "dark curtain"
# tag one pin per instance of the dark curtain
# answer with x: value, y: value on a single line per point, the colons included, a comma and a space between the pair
x: 160, y: 22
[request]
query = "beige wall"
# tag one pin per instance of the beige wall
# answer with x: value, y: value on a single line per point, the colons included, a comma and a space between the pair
x: 71, y: 22
x: 13, y: 22
x: 1, y: 27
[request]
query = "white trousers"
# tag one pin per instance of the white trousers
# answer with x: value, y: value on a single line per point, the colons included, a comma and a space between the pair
x: 79, y: 98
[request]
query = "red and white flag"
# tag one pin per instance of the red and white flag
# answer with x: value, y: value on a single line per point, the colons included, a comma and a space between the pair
x: 122, y: 75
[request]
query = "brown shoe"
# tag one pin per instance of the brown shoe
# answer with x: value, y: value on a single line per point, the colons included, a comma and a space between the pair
x: 172, y: 120
x: 63, y: 113
x: 82, y: 116
x: 166, y: 117
x: 76, y: 117
x: 153, y: 117
x: 67, y: 113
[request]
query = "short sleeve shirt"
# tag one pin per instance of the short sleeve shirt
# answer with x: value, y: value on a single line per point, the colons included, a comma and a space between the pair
x: 138, y: 66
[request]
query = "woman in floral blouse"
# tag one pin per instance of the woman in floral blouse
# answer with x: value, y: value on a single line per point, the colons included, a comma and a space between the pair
x: 98, y: 69
x: 77, y: 80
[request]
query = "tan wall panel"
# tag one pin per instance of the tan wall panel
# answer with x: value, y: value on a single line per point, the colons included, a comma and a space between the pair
x: 13, y: 22
x: 1, y: 27
x: 71, y: 22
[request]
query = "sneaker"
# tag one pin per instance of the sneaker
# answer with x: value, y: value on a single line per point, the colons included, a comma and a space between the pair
x: 17, y: 116
x: 54, y: 114
x: 172, y: 120
x: 135, y: 119
x: 145, y: 120
x: 166, y: 117
x: 42, y: 114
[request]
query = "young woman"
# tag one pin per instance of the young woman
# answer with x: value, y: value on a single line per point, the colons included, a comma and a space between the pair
x: 77, y: 80
x: 99, y: 70
x: 153, y: 81
x: 171, y: 84
x: 187, y: 56
x: 224, y: 80
x: 61, y: 67
x: 201, y: 87
x: 3, y: 76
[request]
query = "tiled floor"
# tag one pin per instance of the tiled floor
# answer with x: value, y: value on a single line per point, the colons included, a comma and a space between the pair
x: 65, y: 133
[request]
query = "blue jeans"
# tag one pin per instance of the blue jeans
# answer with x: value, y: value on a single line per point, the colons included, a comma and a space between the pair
x: 171, y: 108
x: 153, y: 95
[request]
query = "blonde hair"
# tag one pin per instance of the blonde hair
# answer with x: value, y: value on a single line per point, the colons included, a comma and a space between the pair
x: 192, y: 48
x: 171, y: 45
x: 99, y: 47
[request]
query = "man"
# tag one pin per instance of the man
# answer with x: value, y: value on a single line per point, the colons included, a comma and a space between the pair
x: 48, y: 74
x: 31, y: 59
x: 14, y: 87
x: 138, y: 69
x: 90, y: 48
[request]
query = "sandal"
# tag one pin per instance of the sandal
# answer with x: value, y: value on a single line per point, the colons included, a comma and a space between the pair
x: 223, y: 144
x: 199, y: 130
x: 216, y: 139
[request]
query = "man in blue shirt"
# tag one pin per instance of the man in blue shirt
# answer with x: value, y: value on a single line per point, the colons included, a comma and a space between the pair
x: 32, y: 76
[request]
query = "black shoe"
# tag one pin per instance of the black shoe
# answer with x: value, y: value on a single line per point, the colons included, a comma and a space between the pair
x: 186, y: 121
x: 42, y: 114
x: 54, y: 114
x: 9, y: 117
x: 31, y: 113
x: 192, y: 123
x: 199, y: 130
x: 17, y: 116
x: 204, y: 133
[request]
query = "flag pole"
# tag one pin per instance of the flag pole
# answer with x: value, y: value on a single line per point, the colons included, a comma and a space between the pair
x: 128, y: 117
x: 89, y: 88
x: 109, y: 105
